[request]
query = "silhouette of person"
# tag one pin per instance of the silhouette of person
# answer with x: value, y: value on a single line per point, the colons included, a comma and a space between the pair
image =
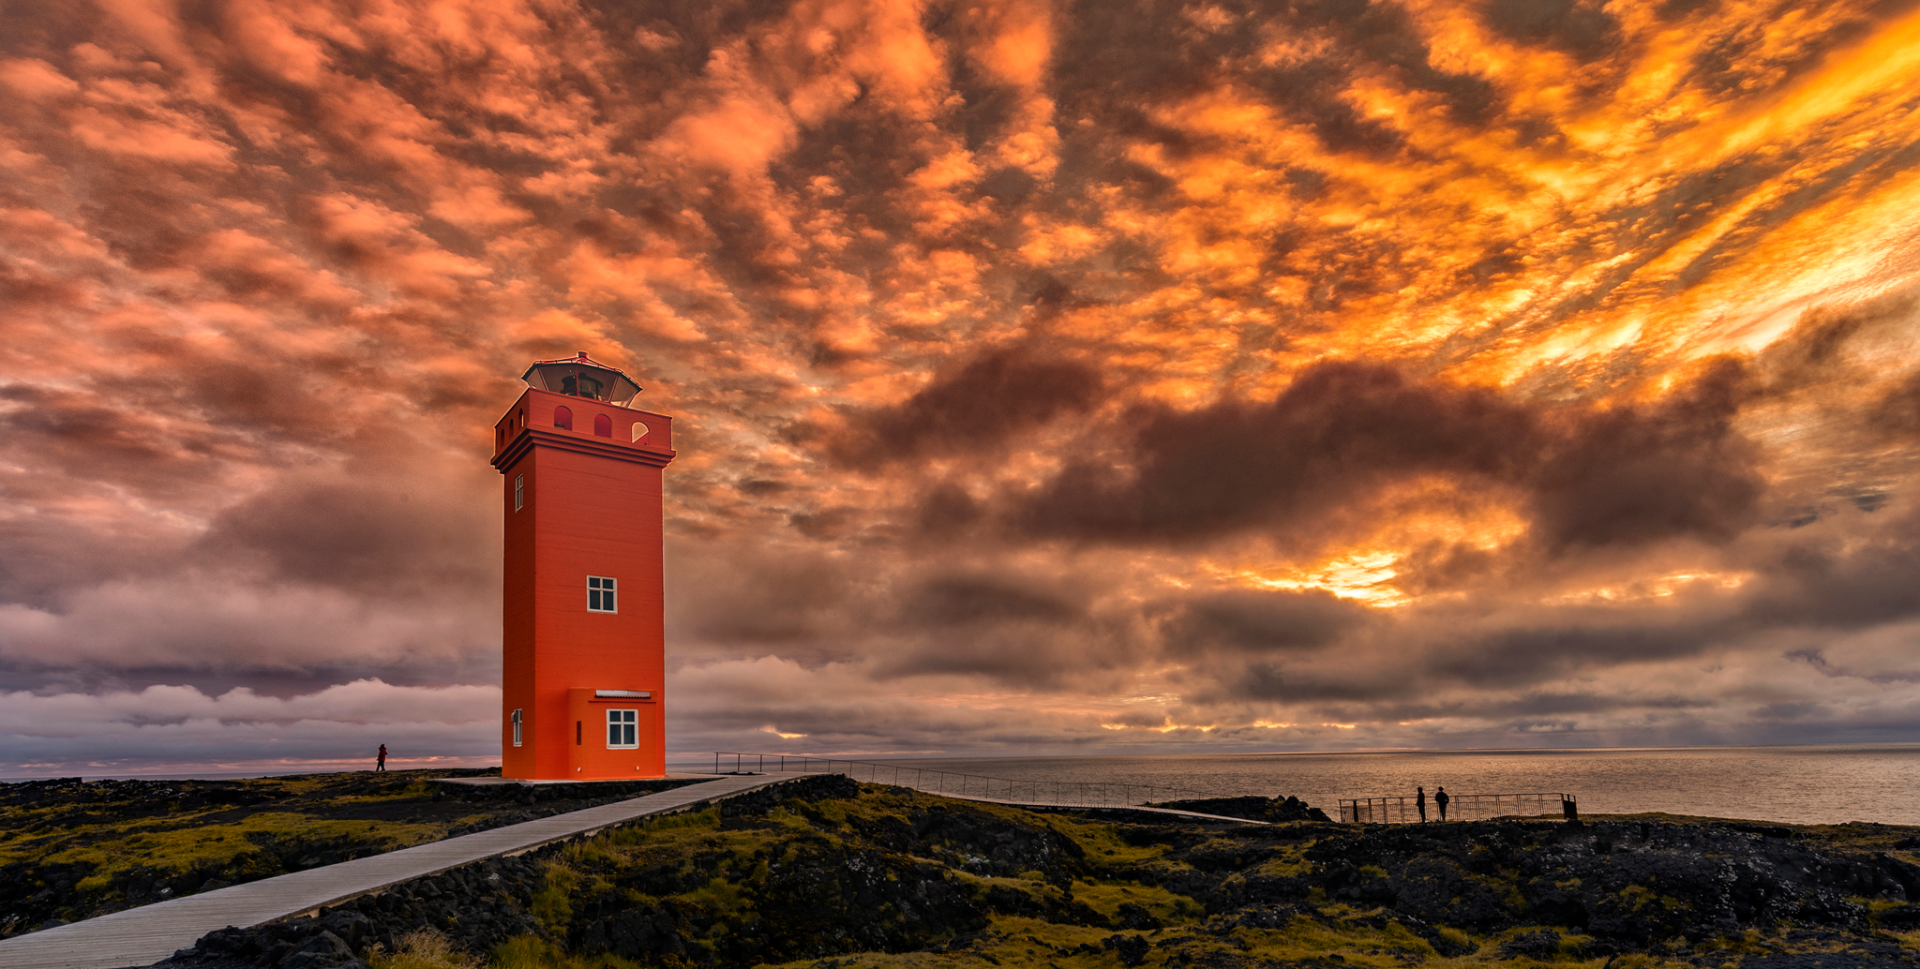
x: 1440, y: 800
x: 1420, y: 801
x: 381, y: 763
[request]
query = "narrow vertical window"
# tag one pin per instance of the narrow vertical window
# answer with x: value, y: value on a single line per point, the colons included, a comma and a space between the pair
x: 639, y: 432
x: 519, y: 491
x: 623, y: 728
x: 600, y: 594
x: 602, y: 425
x: 563, y: 418
x: 516, y: 726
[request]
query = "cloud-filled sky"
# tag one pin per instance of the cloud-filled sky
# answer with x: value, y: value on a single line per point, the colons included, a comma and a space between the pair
x: 1047, y: 378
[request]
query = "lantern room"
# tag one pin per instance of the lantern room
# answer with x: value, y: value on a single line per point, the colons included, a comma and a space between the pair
x: 583, y: 637
x: 581, y: 376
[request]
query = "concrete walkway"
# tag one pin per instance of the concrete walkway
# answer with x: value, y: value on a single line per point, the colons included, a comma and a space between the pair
x: 145, y: 935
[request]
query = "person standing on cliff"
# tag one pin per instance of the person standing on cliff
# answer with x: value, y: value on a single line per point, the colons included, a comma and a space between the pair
x: 1440, y: 800
x: 1420, y: 801
x: 381, y: 762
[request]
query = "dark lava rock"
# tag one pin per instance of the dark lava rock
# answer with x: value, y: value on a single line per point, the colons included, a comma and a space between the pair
x: 1136, y: 917
x: 1131, y: 949
x: 294, y: 944
x: 1878, y: 956
x: 1012, y: 901
x: 1430, y: 934
x: 981, y: 843
x: 635, y: 933
x: 1534, y: 945
x: 1635, y: 882
x: 1440, y: 889
x: 1904, y: 918
x: 323, y: 951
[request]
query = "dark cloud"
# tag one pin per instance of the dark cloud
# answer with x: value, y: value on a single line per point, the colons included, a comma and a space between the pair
x: 1624, y: 475
x: 971, y: 600
x: 734, y: 594
x: 1829, y: 584
x: 983, y: 404
x: 1629, y: 475
x: 1246, y: 621
x: 1014, y: 628
x: 1274, y: 682
x: 1582, y: 28
x: 1898, y: 410
x: 947, y: 510
x: 1526, y: 657
x: 382, y: 532
x: 1339, y: 431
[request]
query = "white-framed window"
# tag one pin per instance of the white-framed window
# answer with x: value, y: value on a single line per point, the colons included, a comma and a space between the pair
x: 623, y: 729
x: 600, y: 594
x: 519, y: 491
x: 516, y: 725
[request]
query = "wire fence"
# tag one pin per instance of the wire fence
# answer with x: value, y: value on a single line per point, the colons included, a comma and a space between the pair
x: 1066, y: 793
x: 1061, y: 793
x: 1460, y: 807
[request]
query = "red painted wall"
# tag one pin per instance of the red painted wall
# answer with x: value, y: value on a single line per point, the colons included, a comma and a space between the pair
x: 592, y: 507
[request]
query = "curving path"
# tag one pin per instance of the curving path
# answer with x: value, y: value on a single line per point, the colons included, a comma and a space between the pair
x: 145, y: 935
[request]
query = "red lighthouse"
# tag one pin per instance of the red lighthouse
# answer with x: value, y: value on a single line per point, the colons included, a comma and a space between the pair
x: 583, y: 639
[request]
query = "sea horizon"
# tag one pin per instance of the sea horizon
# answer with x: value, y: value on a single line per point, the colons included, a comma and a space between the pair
x: 1875, y: 782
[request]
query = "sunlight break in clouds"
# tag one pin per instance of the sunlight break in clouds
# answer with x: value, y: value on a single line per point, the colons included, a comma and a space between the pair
x: 1048, y: 377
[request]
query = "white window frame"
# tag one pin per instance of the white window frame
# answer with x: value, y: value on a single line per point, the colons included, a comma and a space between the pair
x: 516, y: 726
x: 623, y: 725
x: 519, y: 491
x: 603, y: 594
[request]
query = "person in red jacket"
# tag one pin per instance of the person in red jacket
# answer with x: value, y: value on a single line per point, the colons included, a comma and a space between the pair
x: 381, y: 763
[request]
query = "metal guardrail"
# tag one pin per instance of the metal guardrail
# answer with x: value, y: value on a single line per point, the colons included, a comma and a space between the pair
x: 1058, y: 793
x: 1460, y: 807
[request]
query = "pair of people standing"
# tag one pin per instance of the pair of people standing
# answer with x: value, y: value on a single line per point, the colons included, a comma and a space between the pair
x: 1440, y: 800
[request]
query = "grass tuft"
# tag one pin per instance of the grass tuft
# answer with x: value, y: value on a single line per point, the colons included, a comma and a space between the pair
x: 423, y: 949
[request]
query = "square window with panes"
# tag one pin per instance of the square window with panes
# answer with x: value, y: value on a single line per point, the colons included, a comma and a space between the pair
x: 623, y: 728
x: 600, y: 594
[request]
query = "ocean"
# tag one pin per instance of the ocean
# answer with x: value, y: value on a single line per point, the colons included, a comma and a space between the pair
x: 1814, y: 784
x: 1824, y: 784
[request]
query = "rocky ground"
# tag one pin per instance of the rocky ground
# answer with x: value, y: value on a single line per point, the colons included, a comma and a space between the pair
x: 826, y: 874
x: 71, y: 850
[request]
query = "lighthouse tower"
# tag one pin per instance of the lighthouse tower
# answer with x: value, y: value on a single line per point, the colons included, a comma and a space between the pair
x: 583, y: 640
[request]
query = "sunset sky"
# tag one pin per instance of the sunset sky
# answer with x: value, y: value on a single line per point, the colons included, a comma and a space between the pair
x: 1307, y: 375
